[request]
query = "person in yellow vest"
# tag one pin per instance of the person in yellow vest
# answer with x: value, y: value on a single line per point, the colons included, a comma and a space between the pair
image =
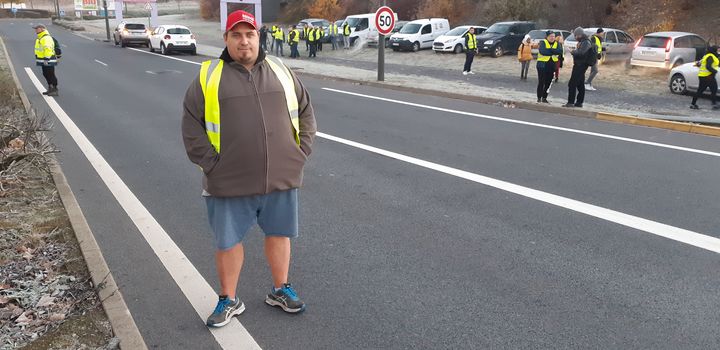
x: 549, y: 51
x: 306, y: 36
x: 46, y: 58
x: 333, y: 32
x: 708, y: 73
x: 319, y: 34
x: 596, y: 40
x: 249, y: 125
x: 470, y: 50
x: 294, y: 40
x: 273, y: 30
x: 346, y: 35
x: 312, y: 41
x: 279, y: 39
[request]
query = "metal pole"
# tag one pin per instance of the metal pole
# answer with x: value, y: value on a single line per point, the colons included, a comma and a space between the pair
x: 381, y: 53
x: 107, y: 20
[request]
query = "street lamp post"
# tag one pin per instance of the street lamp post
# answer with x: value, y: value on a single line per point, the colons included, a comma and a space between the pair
x: 107, y: 20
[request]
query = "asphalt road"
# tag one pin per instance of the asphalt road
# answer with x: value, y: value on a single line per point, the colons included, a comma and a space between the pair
x: 393, y: 255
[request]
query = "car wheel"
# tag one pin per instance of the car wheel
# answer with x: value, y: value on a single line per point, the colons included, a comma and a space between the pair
x: 163, y: 49
x: 416, y: 46
x: 458, y: 49
x: 678, y: 84
x: 498, y: 51
x: 193, y: 52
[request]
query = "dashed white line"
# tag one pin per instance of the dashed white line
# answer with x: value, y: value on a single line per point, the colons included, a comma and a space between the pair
x: 195, y: 288
x: 103, y: 63
x: 671, y: 232
x: 514, y: 121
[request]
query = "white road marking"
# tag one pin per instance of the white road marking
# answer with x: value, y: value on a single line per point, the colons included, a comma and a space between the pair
x: 103, y: 63
x: 196, y: 289
x: 671, y: 232
x: 169, y: 57
x: 508, y: 120
x: 150, y: 72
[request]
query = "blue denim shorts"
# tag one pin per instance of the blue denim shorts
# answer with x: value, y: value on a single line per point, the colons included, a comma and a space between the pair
x: 232, y: 217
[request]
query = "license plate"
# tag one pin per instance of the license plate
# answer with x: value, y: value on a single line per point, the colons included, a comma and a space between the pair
x: 396, y: 44
x: 182, y: 42
x: 648, y: 53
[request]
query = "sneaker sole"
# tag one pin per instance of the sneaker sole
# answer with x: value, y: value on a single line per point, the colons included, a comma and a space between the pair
x: 285, y: 308
x: 237, y: 312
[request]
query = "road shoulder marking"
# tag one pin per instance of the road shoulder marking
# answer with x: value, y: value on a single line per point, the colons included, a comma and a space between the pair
x: 195, y: 288
x: 101, y: 62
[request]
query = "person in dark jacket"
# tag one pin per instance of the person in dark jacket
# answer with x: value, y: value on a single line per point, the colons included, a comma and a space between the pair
x: 263, y: 38
x: 707, y: 74
x: 583, y: 57
x: 549, y: 51
x: 470, y: 50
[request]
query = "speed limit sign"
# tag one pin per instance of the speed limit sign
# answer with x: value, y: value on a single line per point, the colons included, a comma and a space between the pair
x: 384, y: 20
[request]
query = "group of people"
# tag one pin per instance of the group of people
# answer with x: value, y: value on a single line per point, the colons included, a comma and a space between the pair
x: 275, y: 38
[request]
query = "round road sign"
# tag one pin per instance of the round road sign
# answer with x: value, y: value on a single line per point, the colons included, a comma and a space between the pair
x: 384, y: 20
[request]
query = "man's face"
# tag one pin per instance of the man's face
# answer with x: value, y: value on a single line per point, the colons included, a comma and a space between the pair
x: 39, y: 30
x: 242, y: 42
x: 472, y: 30
x: 551, y: 38
x: 602, y: 35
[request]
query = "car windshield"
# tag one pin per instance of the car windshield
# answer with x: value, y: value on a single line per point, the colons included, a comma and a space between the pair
x: 537, y: 34
x: 654, y: 41
x: 457, y: 31
x: 178, y: 31
x: 499, y: 28
x: 410, y: 28
x: 353, y: 21
x: 135, y: 26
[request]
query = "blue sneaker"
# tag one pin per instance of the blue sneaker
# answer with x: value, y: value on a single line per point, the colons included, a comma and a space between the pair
x: 225, y: 310
x: 286, y: 298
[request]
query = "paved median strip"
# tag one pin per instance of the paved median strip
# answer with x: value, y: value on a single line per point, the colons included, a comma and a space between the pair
x: 195, y: 288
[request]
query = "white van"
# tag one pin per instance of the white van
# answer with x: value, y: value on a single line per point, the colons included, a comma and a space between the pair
x: 360, y: 27
x: 419, y: 34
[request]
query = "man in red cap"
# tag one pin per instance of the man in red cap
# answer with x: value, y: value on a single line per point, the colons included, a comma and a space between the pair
x: 253, y: 163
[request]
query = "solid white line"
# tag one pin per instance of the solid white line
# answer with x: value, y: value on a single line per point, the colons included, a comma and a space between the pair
x: 671, y: 232
x: 196, y: 289
x: 589, y: 133
x: 103, y: 63
x: 159, y: 55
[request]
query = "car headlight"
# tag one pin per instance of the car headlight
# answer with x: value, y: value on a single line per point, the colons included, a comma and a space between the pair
x: 489, y: 42
x: 449, y: 41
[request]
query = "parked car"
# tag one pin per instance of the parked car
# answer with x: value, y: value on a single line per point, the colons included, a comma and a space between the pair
x: 131, y: 33
x: 374, y: 36
x: 317, y: 22
x: 454, y: 40
x: 168, y: 38
x: 538, y: 35
x: 667, y: 50
x: 419, y: 34
x: 503, y: 37
x: 360, y: 27
x: 684, y: 79
x: 617, y: 45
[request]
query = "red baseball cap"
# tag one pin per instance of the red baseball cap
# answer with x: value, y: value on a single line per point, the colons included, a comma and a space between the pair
x: 237, y: 17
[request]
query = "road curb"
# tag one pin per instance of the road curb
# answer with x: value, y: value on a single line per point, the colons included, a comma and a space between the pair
x: 661, y: 124
x: 116, y: 309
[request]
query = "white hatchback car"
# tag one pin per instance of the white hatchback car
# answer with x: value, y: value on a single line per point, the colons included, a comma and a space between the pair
x: 666, y: 50
x: 684, y: 79
x: 454, y: 40
x: 167, y: 38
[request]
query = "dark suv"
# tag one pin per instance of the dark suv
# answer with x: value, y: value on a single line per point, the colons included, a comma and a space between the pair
x: 503, y: 37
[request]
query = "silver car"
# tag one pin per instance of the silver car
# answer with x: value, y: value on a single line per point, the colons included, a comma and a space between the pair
x: 617, y: 45
x: 668, y: 49
x: 684, y: 79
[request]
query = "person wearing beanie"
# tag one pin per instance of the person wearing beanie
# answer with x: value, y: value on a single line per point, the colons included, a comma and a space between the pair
x: 549, y: 51
x: 583, y: 58
x: 596, y: 39
x: 709, y: 66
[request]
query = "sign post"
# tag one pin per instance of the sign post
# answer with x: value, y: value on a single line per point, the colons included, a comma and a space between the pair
x: 107, y: 20
x: 384, y: 22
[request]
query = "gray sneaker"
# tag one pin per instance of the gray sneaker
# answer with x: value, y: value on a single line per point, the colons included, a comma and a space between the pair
x: 224, y: 312
x: 286, y: 298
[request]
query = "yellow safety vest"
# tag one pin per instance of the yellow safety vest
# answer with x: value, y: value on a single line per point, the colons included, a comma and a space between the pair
x: 311, y: 35
x: 318, y: 34
x: 333, y: 29
x: 306, y: 30
x: 472, y: 43
x: 346, y: 29
x: 273, y: 30
x: 296, y: 39
x: 598, y: 43
x: 704, y: 71
x: 45, y: 48
x: 279, y: 34
x: 543, y: 58
x: 210, y: 74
